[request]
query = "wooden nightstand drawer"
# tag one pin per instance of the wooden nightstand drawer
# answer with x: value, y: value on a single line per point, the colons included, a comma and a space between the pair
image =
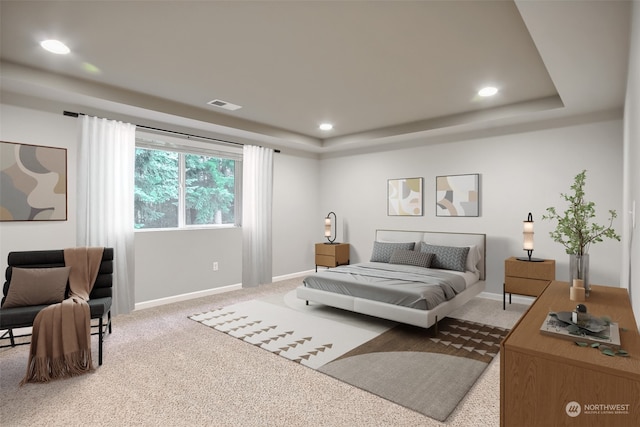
x: 544, y: 270
x: 324, y: 249
x: 326, y: 260
x: 526, y: 277
x: 522, y: 286
x: 332, y: 255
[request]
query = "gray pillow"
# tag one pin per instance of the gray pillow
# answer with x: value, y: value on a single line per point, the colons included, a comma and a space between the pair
x: 447, y: 257
x: 382, y: 251
x: 419, y: 259
x: 36, y: 286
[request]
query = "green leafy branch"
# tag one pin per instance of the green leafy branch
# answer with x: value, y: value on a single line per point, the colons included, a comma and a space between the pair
x: 574, y: 230
x: 605, y: 349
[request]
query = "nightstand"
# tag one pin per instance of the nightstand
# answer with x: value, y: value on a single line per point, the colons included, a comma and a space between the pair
x: 526, y: 277
x: 332, y: 255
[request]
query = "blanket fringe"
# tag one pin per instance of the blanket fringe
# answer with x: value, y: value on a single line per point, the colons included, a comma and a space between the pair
x: 45, y: 369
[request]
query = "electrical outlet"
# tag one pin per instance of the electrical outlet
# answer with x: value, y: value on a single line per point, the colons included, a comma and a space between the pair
x: 215, y: 266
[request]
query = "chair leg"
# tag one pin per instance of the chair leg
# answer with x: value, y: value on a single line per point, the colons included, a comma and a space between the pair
x: 100, y: 333
x: 109, y: 319
x: 11, y: 338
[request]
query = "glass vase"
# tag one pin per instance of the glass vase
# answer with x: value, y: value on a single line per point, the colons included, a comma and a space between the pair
x: 579, y: 269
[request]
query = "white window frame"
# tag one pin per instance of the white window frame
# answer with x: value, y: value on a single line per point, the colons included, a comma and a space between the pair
x: 193, y: 145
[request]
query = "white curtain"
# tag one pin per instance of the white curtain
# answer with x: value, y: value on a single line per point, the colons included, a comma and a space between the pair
x: 106, y: 160
x: 257, y: 191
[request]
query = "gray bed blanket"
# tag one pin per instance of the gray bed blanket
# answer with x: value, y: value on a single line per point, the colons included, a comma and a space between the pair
x: 405, y: 285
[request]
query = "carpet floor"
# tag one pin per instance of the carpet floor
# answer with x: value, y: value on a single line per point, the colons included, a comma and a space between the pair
x: 161, y: 368
x: 427, y: 372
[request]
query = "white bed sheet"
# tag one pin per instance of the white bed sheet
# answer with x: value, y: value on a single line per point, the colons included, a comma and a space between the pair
x: 469, y: 276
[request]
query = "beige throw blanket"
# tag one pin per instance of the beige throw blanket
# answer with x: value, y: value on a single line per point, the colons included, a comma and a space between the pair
x: 61, y: 336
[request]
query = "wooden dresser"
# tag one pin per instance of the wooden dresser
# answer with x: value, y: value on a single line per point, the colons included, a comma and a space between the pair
x: 332, y: 255
x: 526, y: 277
x: 549, y: 381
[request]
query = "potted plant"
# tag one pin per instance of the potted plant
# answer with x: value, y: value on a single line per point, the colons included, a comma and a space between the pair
x: 576, y: 232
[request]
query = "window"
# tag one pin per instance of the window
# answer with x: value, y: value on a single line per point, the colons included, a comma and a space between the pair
x: 179, y: 186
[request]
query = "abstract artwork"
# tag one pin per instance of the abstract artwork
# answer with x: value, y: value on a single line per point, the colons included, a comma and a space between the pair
x: 457, y: 195
x: 33, y: 183
x: 405, y: 197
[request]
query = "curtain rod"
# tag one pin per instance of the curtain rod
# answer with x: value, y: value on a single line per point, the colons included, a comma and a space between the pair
x: 188, y: 135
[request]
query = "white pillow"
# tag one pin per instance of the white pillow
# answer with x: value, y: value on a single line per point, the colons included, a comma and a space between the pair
x: 473, y: 258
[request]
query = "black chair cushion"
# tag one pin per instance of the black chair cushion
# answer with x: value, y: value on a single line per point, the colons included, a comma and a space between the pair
x: 22, y: 317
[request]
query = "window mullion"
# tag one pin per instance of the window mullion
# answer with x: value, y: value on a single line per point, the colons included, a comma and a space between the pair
x: 182, y: 204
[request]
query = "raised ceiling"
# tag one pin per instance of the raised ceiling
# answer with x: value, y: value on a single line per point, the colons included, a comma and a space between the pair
x: 380, y: 71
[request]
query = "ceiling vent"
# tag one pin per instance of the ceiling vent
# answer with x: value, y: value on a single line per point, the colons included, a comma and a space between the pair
x: 224, y: 104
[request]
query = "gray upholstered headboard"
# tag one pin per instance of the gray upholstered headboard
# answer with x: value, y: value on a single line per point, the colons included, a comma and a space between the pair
x: 439, y: 238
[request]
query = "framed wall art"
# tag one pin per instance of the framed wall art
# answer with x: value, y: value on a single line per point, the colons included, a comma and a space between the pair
x: 33, y: 182
x: 404, y: 197
x: 457, y: 195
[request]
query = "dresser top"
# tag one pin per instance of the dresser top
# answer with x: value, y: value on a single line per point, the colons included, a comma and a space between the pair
x: 603, y: 301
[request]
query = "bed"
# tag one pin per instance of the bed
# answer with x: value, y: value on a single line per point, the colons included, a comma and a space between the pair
x: 413, y: 277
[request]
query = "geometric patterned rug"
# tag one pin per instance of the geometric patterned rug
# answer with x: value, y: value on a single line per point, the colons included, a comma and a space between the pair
x: 408, y: 365
x: 455, y: 337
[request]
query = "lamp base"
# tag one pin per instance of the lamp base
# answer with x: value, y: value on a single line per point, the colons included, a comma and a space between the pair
x: 331, y: 243
x: 530, y: 259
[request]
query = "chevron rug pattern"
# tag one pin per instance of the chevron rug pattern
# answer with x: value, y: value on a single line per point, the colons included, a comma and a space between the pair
x: 407, y: 365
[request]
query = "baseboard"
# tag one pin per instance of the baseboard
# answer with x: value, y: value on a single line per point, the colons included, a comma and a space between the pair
x: 185, y: 297
x: 207, y: 292
x: 293, y: 275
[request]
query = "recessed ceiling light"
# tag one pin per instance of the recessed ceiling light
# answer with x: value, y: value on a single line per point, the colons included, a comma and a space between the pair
x: 326, y: 126
x: 55, y: 46
x: 488, y: 91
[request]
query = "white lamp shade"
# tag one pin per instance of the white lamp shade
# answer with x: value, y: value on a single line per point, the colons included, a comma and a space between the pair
x: 527, y: 232
x: 528, y: 242
x: 327, y: 227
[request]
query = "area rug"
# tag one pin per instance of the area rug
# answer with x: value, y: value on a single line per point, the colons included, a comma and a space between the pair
x: 407, y: 365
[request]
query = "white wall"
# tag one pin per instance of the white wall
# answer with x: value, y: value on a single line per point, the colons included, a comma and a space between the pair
x: 169, y: 263
x: 178, y: 262
x: 28, y: 126
x: 519, y: 173
x: 631, y: 259
x: 296, y: 220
